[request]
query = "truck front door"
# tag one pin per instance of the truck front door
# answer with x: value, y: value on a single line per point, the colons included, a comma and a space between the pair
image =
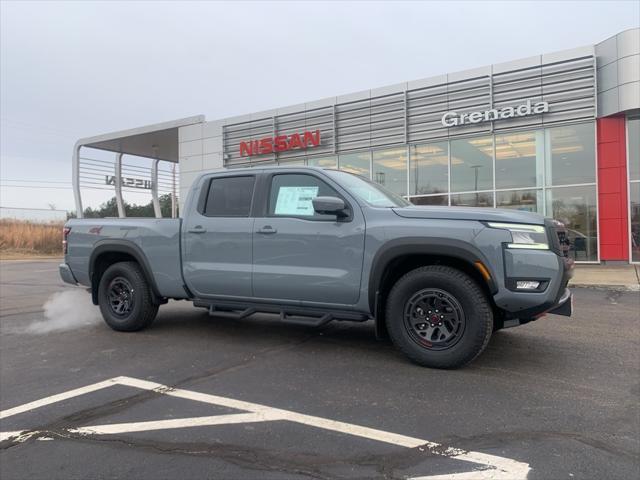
x: 300, y: 254
x: 217, y: 257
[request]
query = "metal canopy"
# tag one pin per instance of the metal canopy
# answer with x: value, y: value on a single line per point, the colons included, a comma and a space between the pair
x: 158, y: 142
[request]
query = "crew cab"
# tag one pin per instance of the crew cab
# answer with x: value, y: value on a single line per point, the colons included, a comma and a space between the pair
x: 314, y: 245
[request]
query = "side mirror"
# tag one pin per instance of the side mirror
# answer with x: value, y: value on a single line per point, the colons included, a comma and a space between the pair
x: 330, y: 206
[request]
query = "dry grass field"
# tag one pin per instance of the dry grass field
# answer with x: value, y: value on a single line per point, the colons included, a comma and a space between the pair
x: 20, y: 238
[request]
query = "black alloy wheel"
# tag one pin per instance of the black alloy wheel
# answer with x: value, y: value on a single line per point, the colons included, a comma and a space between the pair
x: 439, y: 316
x: 125, y: 297
x: 121, y: 296
x: 434, y: 319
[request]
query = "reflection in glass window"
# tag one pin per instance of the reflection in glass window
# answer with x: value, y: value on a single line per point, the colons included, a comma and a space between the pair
x: 633, y: 137
x: 434, y: 200
x: 429, y: 168
x: 525, y: 200
x: 357, y: 163
x: 576, y: 208
x: 519, y: 160
x: 571, y: 154
x: 472, y: 164
x: 324, y: 162
x: 260, y: 164
x: 366, y: 190
x: 484, y: 199
x: 390, y: 169
x: 634, y: 210
x: 291, y: 163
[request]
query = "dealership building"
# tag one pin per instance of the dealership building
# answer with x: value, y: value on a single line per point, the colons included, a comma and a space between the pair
x: 557, y: 134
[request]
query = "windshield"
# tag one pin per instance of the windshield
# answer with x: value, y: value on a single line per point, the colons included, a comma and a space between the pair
x: 370, y: 192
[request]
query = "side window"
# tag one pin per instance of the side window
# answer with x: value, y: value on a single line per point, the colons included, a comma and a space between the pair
x: 229, y: 197
x: 292, y: 194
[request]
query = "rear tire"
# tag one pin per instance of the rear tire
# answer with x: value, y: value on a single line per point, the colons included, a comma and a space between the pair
x: 125, y: 298
x: 439, y: 317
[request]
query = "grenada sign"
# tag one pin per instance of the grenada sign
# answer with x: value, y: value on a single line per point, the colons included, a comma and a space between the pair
x: 455, y: 119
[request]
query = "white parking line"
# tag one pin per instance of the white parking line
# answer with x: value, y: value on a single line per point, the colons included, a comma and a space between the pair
x: 174, y: 423
x: 487, y: 467
x: 6, y: 435
x: 348, y: 428
x: 57, y: 398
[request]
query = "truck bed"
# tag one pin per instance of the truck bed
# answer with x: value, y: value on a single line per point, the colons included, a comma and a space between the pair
x: 157, y: 239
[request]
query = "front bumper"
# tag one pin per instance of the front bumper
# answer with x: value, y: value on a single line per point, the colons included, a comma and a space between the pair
x: 66, y: 274
x: 565, y: 305
x: 560, y: 304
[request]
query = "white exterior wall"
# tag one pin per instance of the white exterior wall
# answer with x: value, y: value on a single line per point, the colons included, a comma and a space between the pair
x: 619, y: 73
x: 200, y: 149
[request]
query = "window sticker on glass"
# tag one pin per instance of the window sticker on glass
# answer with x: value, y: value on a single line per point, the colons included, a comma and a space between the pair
x: 296, y: 200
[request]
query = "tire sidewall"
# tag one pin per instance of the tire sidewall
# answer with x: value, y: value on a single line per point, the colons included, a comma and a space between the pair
x: 129, y: 322
x: 477, y: 316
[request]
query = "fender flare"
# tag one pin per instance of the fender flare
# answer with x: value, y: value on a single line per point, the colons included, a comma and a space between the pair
x: 435, y: 246
x: 120, y: 246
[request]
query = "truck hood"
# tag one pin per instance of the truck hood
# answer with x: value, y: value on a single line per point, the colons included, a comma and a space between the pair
x: 470, y: 213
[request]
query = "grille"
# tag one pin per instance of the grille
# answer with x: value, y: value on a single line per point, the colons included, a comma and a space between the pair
x: 558, y: 237
x: 561, y: 239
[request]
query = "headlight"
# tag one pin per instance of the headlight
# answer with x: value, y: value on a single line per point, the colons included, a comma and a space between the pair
x: 525, y: 236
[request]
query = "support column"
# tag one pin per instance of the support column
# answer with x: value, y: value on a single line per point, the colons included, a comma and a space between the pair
x: 118, y: 172
x: 75, y: 179
x: 154, y: 189
x: 613, y: 205
x: 174, y: 210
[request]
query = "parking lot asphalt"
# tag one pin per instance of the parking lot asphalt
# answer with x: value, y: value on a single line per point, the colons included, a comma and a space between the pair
x: 559, y: 396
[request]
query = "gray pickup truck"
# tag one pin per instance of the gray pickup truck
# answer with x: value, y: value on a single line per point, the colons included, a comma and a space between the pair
x: 313, y: 245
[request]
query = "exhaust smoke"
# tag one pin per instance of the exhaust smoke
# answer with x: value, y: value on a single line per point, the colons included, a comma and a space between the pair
x: 66, y: 310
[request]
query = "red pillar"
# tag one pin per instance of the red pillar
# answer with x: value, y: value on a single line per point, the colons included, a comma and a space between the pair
x: 613, y: 204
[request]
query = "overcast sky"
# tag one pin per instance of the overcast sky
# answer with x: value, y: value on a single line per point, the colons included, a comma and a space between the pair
x: 77, y: 69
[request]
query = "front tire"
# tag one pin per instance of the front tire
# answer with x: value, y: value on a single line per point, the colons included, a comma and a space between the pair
x: 439, y: 317
x: 125, y: 298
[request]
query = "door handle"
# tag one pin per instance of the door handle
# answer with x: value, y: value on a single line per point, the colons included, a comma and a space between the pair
x: 197, y: 229
x: 267, y: 229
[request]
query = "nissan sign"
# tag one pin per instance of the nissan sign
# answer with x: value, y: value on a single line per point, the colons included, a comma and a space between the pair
x: 455, y: 119
x: 280, y: 143
x: 129, y: 182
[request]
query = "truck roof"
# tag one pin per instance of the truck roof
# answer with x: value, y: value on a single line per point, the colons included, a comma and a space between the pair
x: 266, y: 167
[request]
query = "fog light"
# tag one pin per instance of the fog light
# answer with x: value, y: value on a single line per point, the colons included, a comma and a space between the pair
x: 527, y: 285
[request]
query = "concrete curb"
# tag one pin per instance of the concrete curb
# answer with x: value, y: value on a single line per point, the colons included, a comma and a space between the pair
x: 615, y: 288
x: 32, y: 259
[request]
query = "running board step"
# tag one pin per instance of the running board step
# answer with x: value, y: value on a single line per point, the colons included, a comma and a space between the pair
x: 284, y: 317
x: 290, y: 315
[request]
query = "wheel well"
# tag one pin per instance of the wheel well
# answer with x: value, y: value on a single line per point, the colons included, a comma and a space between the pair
x: 403, y: 264
x: 100, y: 265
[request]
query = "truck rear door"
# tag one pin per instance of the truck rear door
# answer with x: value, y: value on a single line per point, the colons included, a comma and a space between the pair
x: 217, y: 251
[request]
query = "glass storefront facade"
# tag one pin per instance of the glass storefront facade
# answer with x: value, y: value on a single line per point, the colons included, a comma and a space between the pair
x: 390, y: 169
x: 633, y: 156
x: 551, y: 171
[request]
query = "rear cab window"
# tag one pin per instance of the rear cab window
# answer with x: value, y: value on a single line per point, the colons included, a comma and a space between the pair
x: 229, y: 196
